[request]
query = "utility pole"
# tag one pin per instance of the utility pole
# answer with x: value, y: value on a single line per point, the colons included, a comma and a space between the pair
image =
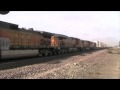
x: 119, y: 43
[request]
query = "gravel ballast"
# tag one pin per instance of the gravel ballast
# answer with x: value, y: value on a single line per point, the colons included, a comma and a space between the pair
x: 97, y: 64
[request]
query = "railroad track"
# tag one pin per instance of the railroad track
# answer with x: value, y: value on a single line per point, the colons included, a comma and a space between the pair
x: 14, y: 63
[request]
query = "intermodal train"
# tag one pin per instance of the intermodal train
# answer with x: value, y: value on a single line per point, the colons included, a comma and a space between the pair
x: 18, y: 42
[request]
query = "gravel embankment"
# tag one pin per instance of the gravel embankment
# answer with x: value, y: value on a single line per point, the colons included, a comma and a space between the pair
x: 86, y: 65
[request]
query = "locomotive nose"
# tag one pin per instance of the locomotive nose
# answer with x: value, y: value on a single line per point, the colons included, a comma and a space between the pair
x: 4, y: 12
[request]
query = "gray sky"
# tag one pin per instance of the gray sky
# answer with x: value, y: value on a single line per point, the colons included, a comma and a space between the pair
x: 88, y: 25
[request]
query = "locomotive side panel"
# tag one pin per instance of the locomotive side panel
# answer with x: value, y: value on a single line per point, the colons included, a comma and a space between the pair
x: 20, y: 39
x: 92, y: 45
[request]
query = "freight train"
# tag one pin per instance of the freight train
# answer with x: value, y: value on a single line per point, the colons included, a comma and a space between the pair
x: 18, y: 42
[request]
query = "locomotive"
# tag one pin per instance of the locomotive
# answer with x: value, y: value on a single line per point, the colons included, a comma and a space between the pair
x: 18, y: 42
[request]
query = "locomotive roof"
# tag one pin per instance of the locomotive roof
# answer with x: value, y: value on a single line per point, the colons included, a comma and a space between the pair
x: 8, y: 25
x: 2, y: 22
x: 60, y: 36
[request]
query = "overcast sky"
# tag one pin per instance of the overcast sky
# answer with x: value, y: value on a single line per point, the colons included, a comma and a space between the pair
x: 88, y: 25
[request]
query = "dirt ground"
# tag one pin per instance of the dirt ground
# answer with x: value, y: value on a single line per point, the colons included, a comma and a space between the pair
x: 102, y: 64
x: 105, y: 65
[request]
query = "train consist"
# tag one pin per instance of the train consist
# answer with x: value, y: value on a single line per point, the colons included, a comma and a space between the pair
x: 20, y: 42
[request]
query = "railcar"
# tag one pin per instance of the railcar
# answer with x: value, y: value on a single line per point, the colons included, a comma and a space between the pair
x: 100, y: 45
x: 20, y: 42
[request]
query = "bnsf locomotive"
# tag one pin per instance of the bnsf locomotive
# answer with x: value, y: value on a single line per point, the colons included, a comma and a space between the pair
x: 20, y: 42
